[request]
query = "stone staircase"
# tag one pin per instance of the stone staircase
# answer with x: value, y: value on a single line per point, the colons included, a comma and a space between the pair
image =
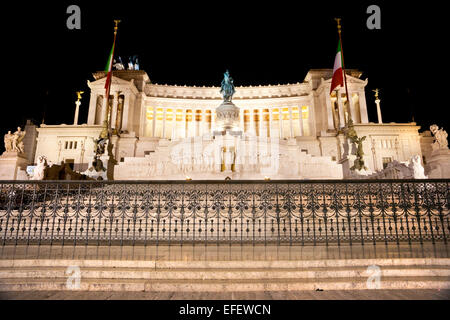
x: 225, y: 276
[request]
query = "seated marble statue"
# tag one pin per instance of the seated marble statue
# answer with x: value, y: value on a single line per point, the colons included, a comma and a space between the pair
x: 417, y: 168
x: 39, y: 170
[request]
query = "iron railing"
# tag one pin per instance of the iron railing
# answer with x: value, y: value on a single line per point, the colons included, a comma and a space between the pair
x: 281, y: 212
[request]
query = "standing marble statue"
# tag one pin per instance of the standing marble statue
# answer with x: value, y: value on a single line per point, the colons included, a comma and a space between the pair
x: 8, y: 139
x: 17, y: 140
x: 440, y: 136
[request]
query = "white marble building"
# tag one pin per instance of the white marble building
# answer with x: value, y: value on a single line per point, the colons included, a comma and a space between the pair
x: 165, y: 131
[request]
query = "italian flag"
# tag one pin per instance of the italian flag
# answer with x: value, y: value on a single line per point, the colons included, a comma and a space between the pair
x: 108, y: 69
x: 338, y: 78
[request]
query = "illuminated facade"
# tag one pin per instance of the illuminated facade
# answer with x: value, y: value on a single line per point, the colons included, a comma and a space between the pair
x: 298, y: 124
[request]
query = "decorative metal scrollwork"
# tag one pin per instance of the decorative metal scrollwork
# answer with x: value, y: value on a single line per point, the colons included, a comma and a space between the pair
x: 294, y: 212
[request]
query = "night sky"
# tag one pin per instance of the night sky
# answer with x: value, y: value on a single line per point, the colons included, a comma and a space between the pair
x: 193, y: 43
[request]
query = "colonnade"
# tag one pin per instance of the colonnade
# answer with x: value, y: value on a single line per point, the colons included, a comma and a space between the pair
x: 175, y: 123
x: 118, y: 105
x: 338, y: 114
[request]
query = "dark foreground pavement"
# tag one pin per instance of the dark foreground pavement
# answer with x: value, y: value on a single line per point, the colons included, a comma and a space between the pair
x: 291, y: 295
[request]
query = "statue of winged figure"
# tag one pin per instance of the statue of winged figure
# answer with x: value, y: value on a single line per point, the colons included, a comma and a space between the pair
x: 79, y: 93
x: 227, y: 87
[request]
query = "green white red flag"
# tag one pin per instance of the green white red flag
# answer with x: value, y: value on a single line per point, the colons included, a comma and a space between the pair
x: 338, y: 78
x: 108, y: 69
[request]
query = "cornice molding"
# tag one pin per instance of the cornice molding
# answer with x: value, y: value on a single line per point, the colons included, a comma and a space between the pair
x: 213, y: 93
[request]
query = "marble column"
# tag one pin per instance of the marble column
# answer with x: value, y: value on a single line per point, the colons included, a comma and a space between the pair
x: 112, y: 123
x: 270, y: 122
x: 119, y: 114
x: 185, y: 123
x: 126, y: 112
x: 104, y: 115
x: 300, y: 120
x: 380, y: 120
x: 164, y: 124
x: 174, y: 124
x: 154, y: 122
x: 353, y: 108
x: 280, y: 122
x: 197, y: 124
x: 312, y: 116
x: 330, y: 111
x: 252, y: 122
x: 77, y: 110
x: 213, y: 120
x: 363, y: 107
x: 261, y: 122
x: 346, y: 108
x: 336, y: 121
x: 291, y: 132
x: 241, y: 119
x: 341, y: 111
x: 203, y: 122
x: 92, y: 109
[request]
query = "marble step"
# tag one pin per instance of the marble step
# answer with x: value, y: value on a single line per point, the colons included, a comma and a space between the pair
x: 51, y: 284
x: 237, y: 264
x: 223, y: 273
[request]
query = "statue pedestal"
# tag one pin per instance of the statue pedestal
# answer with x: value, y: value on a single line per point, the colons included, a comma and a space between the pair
x: 91, y: 172
x: 348, y: 173
x: 347, y: 163
x: 13, y: 166
x: 438, y: 165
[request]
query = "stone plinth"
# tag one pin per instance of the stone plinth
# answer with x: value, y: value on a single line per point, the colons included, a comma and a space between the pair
x: 348, y: 173
x: 438, y: 165
x: 347, y: 163
x: 227, y: 116
x: 13, y: 166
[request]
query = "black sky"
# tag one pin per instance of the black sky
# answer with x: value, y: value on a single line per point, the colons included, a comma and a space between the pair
x: 193, y: 43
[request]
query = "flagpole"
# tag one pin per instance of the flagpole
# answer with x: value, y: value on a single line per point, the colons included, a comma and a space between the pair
x: 106, y: 123
x: 338, y: 20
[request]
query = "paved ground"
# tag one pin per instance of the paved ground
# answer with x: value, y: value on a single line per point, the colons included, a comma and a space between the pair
x: 296, y: 295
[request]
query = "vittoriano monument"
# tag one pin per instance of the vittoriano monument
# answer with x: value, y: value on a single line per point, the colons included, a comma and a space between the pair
x: 287, y: 131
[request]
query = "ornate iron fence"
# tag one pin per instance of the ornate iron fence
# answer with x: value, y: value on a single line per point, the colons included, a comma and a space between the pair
x: 281, y: 212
